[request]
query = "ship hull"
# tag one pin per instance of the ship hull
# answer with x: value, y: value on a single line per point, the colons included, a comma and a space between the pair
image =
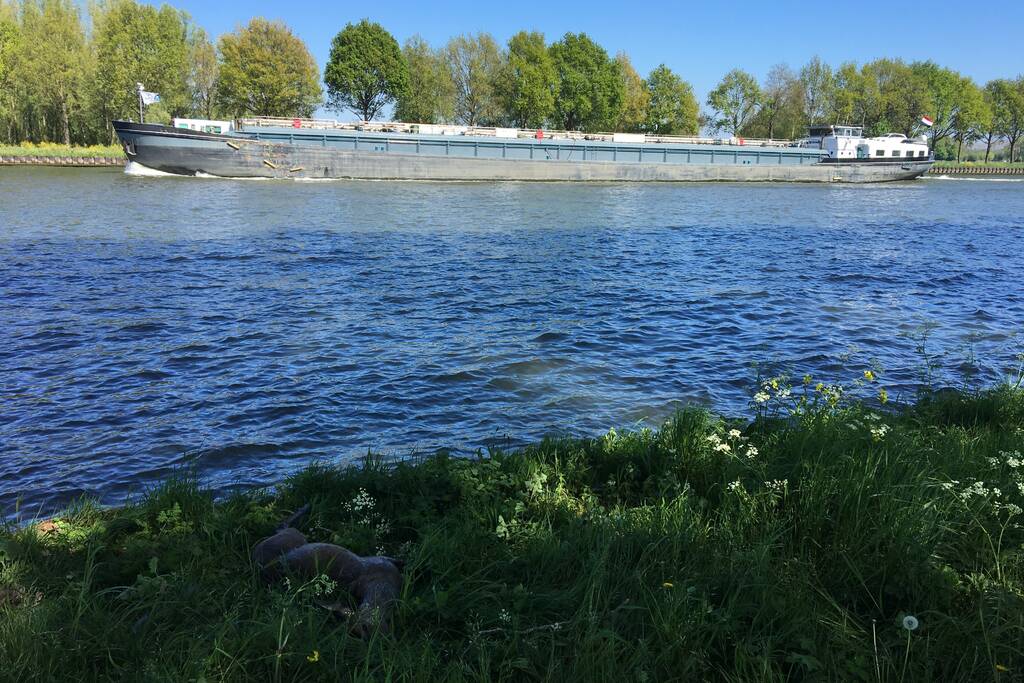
x: 187, y: 153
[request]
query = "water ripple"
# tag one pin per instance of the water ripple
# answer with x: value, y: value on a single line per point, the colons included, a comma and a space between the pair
x: 244, y: 329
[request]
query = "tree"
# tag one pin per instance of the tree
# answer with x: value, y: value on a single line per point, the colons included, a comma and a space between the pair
x: 856, y: 95
x: 636, y: 97
x: 53, y: 55
x: 365, y: 71
x: 994, y: 94
x: 1008, y: 113
x: 266, y: 70
x: 140, y: 43
x: 818, y: 86
x: 474, y: 63
x: 944, y: 97
x: 781, y: 110
x: 10, y: 39
x: 527, y: 81
x: 430, y: 94
x: 898, y: 96
x: 672, y: 109
x: 590, y: 92
x: 203, y: 70
x: 735, y: 101
x: 972, y: 115
x: 9, y: 32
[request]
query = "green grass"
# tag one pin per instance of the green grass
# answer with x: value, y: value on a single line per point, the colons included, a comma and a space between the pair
x: 48, y: 149
x: 983, y: 164
x: 674, y: 554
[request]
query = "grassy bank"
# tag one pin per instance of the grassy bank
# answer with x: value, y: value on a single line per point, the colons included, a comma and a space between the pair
x: 979, y: 164
x: 823, y: 541
x: 47, y: 149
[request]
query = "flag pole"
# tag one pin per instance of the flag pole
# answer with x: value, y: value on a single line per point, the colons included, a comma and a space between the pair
x: 141, y: 114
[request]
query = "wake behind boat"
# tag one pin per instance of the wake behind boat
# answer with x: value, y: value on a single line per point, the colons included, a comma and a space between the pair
x: 301, y: 148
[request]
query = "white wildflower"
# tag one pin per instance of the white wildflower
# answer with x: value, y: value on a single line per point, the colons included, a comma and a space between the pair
x: 752, y: 452
x: 735, y: 486
x: 761, y: 397
x: 734, y: 433
x: 723, y: 447
x: 910, y: 622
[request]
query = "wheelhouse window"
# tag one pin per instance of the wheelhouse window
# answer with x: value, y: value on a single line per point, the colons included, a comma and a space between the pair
x: 910, y: 152
x: 895, y: 152
x: 921, y: 153
x: 879, y: 152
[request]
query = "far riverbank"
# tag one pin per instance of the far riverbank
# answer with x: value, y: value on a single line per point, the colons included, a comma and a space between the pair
x: 46, y: 154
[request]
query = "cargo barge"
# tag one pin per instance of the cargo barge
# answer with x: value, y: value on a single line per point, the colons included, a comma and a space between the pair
x: 286, y: 148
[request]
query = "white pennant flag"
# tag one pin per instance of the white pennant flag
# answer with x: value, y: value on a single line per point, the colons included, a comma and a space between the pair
x: 149, y: 97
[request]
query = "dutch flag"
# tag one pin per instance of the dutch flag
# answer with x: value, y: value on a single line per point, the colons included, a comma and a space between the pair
x: 926, y: 120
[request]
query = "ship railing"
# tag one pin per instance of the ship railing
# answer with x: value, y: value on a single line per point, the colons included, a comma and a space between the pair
x: 498, y: 132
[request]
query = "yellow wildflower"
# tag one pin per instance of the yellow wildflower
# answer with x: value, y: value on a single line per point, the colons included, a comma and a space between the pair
x: 869, y: 376
x: 807, y: 380
x: 1001, y: 669
x: 315, y: 657
x: 667, y: 584
x: 883, y: 395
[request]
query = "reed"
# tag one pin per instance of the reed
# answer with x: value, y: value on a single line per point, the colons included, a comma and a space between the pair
x: 824, y: 540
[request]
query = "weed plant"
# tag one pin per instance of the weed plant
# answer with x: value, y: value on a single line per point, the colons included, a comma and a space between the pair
x: 825, y: 540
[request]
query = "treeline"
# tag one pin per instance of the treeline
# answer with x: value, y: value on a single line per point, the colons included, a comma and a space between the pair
x: 883, y: 96
x: 64, y: 77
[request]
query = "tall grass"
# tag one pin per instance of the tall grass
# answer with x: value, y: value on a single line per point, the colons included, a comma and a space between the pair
x: 801, y: 546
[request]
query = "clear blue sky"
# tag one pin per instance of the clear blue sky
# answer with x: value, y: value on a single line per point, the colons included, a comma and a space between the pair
x: 700, y: 42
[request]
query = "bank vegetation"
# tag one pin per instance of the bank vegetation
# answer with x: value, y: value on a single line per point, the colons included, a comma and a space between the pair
x: 826, y: 539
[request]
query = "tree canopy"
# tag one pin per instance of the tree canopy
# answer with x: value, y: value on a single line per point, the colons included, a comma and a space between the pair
x: 430, y: 94
x: 527, y: 81
x: 474, y: 62
x: 365, y: 71
x: 590, y: 91
x: 672, y: 108
x: 68, y: 67
x: 266, y: 70
x: 137, y: 43
x: 735, y: 101
x: 636, y: 98
x: 51, y: 51
x: 203, y: 73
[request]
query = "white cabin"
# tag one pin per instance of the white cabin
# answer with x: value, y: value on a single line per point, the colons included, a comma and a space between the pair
x: 893, y: 146
x: 205, y: 125
x: 848, y: 142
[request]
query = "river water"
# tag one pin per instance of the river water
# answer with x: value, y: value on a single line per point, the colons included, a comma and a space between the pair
x: 244, y: 328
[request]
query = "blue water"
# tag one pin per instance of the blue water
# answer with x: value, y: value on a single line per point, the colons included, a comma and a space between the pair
x: 246, y: 328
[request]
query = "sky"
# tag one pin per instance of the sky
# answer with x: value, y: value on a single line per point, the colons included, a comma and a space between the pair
x: 700, y: 42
